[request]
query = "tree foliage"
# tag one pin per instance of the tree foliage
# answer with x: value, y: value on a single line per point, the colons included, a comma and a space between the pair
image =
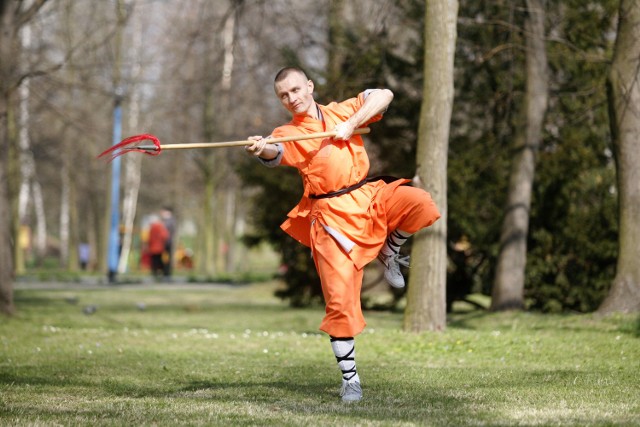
x: 574, y: 226
x: 571, y: 244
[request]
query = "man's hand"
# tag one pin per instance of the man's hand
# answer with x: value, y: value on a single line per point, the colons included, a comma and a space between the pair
x: 260, y: 148
x: 257, y: 147
x: 344, y: 130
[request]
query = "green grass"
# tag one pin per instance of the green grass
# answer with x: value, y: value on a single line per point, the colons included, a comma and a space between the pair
x: 235, y: 355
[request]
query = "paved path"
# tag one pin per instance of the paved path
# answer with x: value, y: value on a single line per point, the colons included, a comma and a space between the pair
x: 138, y: 283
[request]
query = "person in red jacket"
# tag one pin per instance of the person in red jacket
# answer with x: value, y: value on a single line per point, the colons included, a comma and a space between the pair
x: 345, y: 217
x: 158, y: 236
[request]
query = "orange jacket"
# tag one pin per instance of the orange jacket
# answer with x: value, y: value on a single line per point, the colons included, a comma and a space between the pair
x: 327, y: 165
x: 158, y: 235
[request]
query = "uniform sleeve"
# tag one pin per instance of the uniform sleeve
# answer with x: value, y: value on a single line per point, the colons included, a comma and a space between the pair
x: 272, y: 163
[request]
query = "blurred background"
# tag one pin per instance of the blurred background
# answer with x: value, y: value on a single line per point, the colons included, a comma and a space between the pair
x: 94, y: 72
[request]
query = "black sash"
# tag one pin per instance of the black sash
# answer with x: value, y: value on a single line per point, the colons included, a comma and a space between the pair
x: 350, y: 188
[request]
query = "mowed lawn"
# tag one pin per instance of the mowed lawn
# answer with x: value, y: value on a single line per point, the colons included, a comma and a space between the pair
x: 236, y: 355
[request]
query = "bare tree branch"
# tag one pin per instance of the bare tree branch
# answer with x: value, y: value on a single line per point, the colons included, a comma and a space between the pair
x: 28, y: 14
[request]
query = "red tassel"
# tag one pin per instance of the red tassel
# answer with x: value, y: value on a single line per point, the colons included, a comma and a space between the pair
x: 128, y: 145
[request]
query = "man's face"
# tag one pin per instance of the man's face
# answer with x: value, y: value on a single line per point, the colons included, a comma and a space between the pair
x: 296, y: 94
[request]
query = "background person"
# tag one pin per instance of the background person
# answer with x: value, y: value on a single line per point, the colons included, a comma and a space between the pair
x: 156, y: 244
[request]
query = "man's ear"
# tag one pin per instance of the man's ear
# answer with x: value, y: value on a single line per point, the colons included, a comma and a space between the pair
x: 310, y: 85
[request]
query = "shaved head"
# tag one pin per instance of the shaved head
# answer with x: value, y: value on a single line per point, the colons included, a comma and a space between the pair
x: 285, y: 72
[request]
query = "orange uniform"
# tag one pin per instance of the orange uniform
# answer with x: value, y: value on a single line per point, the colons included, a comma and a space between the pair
x: 346, y: 232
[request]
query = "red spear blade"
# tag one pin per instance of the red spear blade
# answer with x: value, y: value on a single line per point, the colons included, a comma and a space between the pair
x: 133, y: 143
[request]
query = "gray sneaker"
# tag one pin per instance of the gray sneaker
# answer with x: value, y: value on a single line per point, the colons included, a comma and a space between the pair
x: 392, y: 273
x: 351, y: 392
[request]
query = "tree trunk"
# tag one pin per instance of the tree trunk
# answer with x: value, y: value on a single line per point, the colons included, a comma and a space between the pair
x: 426, y: 295
x: 7, y: 70
x: 27, y: 163
x: 207, y: 166
x: 337, y: 48
x: 65, y: 215
x: 623, y: 87
x: 68, y: 208
x: 73, y: 242
x: 6, y: 258
x: 12, y: 16
x: 41, y: 222
x: 231, y: 188
x: 208, y: 255
x: 508, y: 287
x: 132, y: 164
x: 131, y: 189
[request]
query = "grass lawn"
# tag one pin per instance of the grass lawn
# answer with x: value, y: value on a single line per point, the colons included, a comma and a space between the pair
x: 235, y: 355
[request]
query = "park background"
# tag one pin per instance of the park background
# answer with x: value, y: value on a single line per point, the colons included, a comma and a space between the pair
x: 507, y: 112
x: 503, y: 115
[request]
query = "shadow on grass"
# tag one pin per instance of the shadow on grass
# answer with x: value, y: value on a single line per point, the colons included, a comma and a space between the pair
x: 18, y: 380
x: 319, y: 400
x: 24, y: 299
x: 316, y: 401
x: 632, y: 327
x: 466, y: 320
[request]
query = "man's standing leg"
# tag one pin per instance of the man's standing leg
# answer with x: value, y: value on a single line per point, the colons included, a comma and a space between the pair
x: 345, y: 352
x: 341, y: 284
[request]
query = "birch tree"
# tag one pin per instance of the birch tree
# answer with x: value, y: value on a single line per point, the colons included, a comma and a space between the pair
x: 508, y: 288
x: 25, y: 157
x: 132, y: 173
x: 426, y: 299
x: 624, y: 110
x: 227, y: 198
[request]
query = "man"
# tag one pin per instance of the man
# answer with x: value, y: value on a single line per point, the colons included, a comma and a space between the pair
x: 346, y: 219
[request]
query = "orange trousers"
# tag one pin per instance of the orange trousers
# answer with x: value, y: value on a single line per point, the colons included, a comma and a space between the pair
x: 406, y: 208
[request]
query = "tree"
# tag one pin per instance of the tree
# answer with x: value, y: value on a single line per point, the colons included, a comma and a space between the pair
x: 30, y: 188
x: 488, y: 78
x: 132, y: 163
x: 569, y: 269
x: 624, y: 109
x: 426, y: 299
x: 13, y: 15
x: 508, y: 288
